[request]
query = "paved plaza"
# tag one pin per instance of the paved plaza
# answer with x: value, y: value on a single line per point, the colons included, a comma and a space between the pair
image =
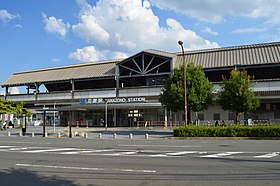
x: 119, y: 133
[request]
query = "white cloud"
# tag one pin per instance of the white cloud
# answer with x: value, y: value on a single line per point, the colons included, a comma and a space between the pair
x: 248, y: 30
x: 127, y: 27
x: 55, y: 60
x: 214, y: 11
x: 91, y: 54
x: 57, y: 26
x: 90, y: 30
x: 209, y: 31
x: 18, y: 26
x: 5, y: 16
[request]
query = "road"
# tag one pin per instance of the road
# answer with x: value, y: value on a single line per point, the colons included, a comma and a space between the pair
x: 80, y: 161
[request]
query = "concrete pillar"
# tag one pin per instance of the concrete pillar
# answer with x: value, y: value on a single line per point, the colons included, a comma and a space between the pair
x: 99, y: 135
x: 114, y: 136
x: 146, y: 136
x: 165, y: 118
x: 115, y: 117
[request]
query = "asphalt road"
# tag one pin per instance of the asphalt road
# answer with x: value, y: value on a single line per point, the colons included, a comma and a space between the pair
x: 79, y: 161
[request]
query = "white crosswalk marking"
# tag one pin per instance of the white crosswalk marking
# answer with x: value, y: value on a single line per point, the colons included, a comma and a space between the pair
x: 78, y: 152
x: 121, y: 153
x: 220, y: 155
x: 270, y: 155
x: 180, y: 153
x: 50, y: 150
x: 4, y: 147
x: 136, y: 153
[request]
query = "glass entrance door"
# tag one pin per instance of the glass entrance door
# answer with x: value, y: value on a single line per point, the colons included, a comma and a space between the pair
x: 133, y: 117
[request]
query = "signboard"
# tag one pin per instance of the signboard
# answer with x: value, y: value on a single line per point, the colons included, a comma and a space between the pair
x: 113, y: 100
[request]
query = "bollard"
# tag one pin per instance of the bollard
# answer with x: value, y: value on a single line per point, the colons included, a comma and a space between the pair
x: 58, y: 135
x: 115, y: 136
x: 86, y: 135
x: 20, y: 133
x: 33, y: 135
x: 130, y: 136
x: 76, y: 133
x: 73, y: 135
x: 9, y: 134
x: 147, y: 136
x: 99, y: 135
x: 83, y: 134
x: 46, y: 134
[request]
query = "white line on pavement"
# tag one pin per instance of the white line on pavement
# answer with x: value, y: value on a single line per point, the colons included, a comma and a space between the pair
x: 50, y: 150
x: 173, y: 146
x: 180, y: 153
x: 121, y: 153
x: 3, y: 147
x: 220, y: 154
x: 84, y: 168
x: 270, y: 155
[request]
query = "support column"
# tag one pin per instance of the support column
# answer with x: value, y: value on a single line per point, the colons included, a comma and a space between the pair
x: 73, y: 88
x: 170, y: 118
x: 44, y: 123
x: 6, y: 92
x: 115, y: 117
x: 165, y: 118
x: 117, y: 80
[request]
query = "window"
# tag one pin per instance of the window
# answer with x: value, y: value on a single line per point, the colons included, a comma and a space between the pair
x: 231, y: 116
x: 200, y: 116
x: 216, y: 116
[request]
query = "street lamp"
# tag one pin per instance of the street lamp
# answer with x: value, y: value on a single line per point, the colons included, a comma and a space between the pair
x: 185, y: 82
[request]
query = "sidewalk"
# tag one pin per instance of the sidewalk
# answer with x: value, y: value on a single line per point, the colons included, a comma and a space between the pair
x: 110, y: 133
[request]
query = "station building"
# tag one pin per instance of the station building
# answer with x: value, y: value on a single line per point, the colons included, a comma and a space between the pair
x: 125, y: 92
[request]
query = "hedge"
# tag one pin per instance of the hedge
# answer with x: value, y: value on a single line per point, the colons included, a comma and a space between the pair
x: 228, y: 131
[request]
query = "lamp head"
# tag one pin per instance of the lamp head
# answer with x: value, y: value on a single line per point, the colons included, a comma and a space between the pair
x: 180, y: 43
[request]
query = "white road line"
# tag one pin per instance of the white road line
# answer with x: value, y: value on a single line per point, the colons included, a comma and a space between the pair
x: 85, y: 168
x: 220, y: 154
x: 180, y: 153
x: 270, y: 155
x: 50, y: 150
x: 78, y: 152
x: 157, y: 155
x: 121, y: 153
x: 4, y: 147
x: 173, y: 146
x: 18, y: 149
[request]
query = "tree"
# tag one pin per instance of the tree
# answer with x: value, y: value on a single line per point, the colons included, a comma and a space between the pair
x: 237, y: 95
x: 8, y: 107
x: 199, y: 90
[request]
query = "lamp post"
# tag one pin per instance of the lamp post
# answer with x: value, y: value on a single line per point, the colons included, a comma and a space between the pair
x: 185, y: 82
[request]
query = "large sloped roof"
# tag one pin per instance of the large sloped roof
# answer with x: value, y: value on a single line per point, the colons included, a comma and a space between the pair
x: 79, y: 71
x: 267, y: 53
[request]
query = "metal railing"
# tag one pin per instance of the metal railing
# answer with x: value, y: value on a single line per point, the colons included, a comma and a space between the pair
x: 154, y: 123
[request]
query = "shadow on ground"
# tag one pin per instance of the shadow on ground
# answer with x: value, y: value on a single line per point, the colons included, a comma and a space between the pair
x: 25, y: 177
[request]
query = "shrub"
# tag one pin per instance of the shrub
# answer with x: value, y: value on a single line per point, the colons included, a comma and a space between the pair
x: 229, y: 131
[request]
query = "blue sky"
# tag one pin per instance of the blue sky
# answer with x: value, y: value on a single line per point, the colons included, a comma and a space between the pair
x: 38, y: 34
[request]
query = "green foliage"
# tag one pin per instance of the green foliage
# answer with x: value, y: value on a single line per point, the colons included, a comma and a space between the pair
x: 199, y: 90
x: 236, y: 94
x: 8, y: 107
x: 229, y: 131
